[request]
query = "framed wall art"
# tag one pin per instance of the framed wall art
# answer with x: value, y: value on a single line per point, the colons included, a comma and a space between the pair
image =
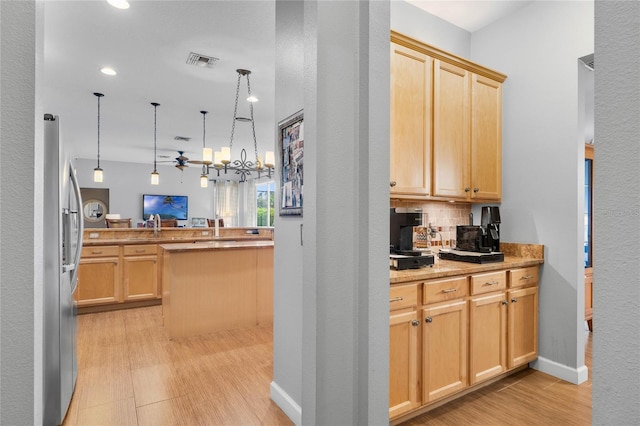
x: 291, y: 150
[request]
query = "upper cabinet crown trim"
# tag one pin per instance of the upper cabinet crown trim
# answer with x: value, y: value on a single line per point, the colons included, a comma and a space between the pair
x: 444, y: 56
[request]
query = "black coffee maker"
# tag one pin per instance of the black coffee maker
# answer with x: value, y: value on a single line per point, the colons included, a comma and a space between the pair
x: 490, y: 223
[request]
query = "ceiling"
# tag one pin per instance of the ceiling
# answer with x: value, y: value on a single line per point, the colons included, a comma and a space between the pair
x: 470, y: 15
x: 148, y: 45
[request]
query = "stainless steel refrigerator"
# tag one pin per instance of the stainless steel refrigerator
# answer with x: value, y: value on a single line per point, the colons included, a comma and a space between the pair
x: 62, y: 242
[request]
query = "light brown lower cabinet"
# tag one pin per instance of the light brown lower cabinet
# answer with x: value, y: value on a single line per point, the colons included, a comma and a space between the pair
x: 140, y: 272
x: 99, y: 276
x: 472, y: 328
x: 444, y: 354
x: 404, y: 340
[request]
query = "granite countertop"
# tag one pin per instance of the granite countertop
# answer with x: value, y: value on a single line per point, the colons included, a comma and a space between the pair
x: 177, y: 240
x: 516, y: 256
x: 216, y: 245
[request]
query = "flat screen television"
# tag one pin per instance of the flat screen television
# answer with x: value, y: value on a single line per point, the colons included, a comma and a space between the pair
x: 167, y: 206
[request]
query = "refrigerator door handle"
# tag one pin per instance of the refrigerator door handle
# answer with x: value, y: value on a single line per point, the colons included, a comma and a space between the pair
x: 80, y: 227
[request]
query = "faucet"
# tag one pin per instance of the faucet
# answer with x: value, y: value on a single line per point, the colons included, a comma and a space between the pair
x: 156, y: 225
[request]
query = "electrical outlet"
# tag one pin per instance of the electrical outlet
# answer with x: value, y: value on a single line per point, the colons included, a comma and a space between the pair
x: 94, y: 235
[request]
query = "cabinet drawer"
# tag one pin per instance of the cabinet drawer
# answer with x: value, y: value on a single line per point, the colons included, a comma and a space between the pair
x: 403, y: 296
x: 100, y: 251
x: 486, y: 283
x: 441, y: 290
x: 141, y: 249
x: 523, y: 277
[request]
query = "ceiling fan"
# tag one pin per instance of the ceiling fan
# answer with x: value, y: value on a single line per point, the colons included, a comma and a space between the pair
x: 182, y: 161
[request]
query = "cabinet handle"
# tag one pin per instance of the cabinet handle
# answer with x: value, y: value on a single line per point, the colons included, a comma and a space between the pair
x: 467, y: 189
x: 396, y: 299
x: 514, y: 300
x: 140, y: 250
x: 526, y: 277
x: 491, y: 283
x: 96, y: 252
x: 392, y: 183
x: 428, y: 319
x: 449, y: 290
x: 415, y: 322
x: 476, y: 189
x: 504, y: 302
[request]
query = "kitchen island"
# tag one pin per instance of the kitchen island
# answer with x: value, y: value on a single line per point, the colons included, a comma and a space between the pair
x: 216, y: 285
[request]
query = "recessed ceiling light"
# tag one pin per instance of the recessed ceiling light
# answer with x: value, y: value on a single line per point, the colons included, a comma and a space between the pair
x: 120, y: 4
x: 108, y: 71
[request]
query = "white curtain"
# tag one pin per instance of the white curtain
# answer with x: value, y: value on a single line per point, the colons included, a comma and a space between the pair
x: 226, y: 202
x: 249, y: 200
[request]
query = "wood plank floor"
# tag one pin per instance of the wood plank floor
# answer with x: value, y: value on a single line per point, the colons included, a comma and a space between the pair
x: 525, y: 398
x: 130, y: 373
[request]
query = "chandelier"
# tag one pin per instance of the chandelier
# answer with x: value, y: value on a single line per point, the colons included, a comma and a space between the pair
x: 243, y: 167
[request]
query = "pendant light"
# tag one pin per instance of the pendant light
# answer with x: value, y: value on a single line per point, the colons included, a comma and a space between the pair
x: 155, y: 176
x: 206, y: 153
x: 243, y: 166
x: 97, y: 172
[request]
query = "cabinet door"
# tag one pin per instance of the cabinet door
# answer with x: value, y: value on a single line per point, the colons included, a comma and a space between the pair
x: 403, y: 362
x: 487, y: 336
x: 523, y: 325
x: 411, y: 77
x: 140, y: 277
x: 98, y: 281
x: 451, y: 128
x: 486, y: 138
x: 444, y: 350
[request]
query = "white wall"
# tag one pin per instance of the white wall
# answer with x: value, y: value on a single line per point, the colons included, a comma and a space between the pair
x: 616, y: 275
x: 21, y: 206
x: 416, y: 23
x: 543, y: 160
x: 343, y: 283
x: 286, y: 388
x: 127, y: 182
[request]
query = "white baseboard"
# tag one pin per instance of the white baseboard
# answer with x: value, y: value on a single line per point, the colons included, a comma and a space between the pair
x: 286, y: 403
x: 566, y: 373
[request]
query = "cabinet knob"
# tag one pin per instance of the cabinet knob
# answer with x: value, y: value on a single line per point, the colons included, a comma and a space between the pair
x: 415, y: 323
x: 392, y: 183
x: 504, y: 302
x: 476, y: 189
x: 467, y: 189
x: 514, y: 300
x: 428, y: 319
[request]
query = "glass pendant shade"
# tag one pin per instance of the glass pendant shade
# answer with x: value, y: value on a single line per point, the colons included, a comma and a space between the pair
x: 217, y: 159
x: 225, y: 155
x: 97, y: 174
x: 269, y: 159
x: 204, y: 181
x: 207, y: 155
x: 155, y: 178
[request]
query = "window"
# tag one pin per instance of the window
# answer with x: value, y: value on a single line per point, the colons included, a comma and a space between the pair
x: 265, y: 200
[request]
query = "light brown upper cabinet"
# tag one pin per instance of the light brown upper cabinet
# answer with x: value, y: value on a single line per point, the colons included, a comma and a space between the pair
x: 411, y: 79
x: 446, y: 125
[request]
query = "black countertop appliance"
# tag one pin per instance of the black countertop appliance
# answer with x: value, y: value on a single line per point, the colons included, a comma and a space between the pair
x: 490, y: 222
x: 401, y: 223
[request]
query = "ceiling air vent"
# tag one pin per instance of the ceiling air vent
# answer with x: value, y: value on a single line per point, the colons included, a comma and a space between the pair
x: 182, y: 138
x: 201, y: 60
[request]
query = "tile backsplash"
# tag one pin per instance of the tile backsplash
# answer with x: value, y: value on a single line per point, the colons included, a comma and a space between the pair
x: 443, y: 216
